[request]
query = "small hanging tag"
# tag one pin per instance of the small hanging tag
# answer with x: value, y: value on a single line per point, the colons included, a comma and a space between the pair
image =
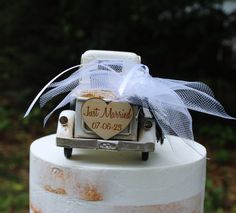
x: 106, y: 119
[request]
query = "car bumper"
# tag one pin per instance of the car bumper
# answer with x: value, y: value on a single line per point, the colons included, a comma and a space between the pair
x: 105, y: 144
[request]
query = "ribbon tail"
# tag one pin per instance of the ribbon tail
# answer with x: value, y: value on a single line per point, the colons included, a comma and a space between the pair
x: 45, y: 87
x: 70, y: 97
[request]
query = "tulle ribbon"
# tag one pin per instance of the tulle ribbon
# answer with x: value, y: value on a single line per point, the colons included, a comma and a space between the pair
x: 168, y: 100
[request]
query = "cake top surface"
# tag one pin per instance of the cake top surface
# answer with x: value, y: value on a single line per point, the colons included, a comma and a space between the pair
x: 171, y: 154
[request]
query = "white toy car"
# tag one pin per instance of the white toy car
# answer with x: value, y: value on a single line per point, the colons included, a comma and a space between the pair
x: 74, y: 132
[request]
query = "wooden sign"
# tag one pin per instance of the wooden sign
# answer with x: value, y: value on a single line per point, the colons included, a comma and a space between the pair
x: 106, y: 119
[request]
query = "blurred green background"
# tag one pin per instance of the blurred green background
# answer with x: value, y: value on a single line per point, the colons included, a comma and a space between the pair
x: 192, y: 40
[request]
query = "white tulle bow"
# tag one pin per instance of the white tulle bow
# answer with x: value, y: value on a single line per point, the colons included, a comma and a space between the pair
x: 167, y: 99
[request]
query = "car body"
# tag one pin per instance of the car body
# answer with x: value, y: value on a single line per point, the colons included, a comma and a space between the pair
x: 72, y: 131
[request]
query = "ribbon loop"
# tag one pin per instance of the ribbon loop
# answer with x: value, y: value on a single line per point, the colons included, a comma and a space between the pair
x: 168, y: 99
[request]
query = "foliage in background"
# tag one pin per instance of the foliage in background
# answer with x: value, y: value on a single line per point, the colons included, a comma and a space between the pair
x: 14, y: 182
x: 221, y: 138
x: 177, y: 39
x: 214, y: 197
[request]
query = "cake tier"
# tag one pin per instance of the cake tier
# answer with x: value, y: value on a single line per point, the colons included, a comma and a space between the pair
x: 171, y: 181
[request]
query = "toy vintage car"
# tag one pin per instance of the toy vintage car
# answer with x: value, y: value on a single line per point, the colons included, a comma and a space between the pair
x: 75, y: 130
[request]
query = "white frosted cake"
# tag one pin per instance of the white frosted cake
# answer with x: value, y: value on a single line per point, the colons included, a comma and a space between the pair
x: 171, y: 181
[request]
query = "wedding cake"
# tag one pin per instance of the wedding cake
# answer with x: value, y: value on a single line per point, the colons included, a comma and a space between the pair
x: 117, y: 112
x: 171, y: 181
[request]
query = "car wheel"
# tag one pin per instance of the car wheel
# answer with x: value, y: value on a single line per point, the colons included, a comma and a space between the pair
x: 67, y: 152
x: 145, y: 156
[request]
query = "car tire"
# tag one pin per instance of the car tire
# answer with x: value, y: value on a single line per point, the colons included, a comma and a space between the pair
x: 68, y: 152
x: 145, y: 156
